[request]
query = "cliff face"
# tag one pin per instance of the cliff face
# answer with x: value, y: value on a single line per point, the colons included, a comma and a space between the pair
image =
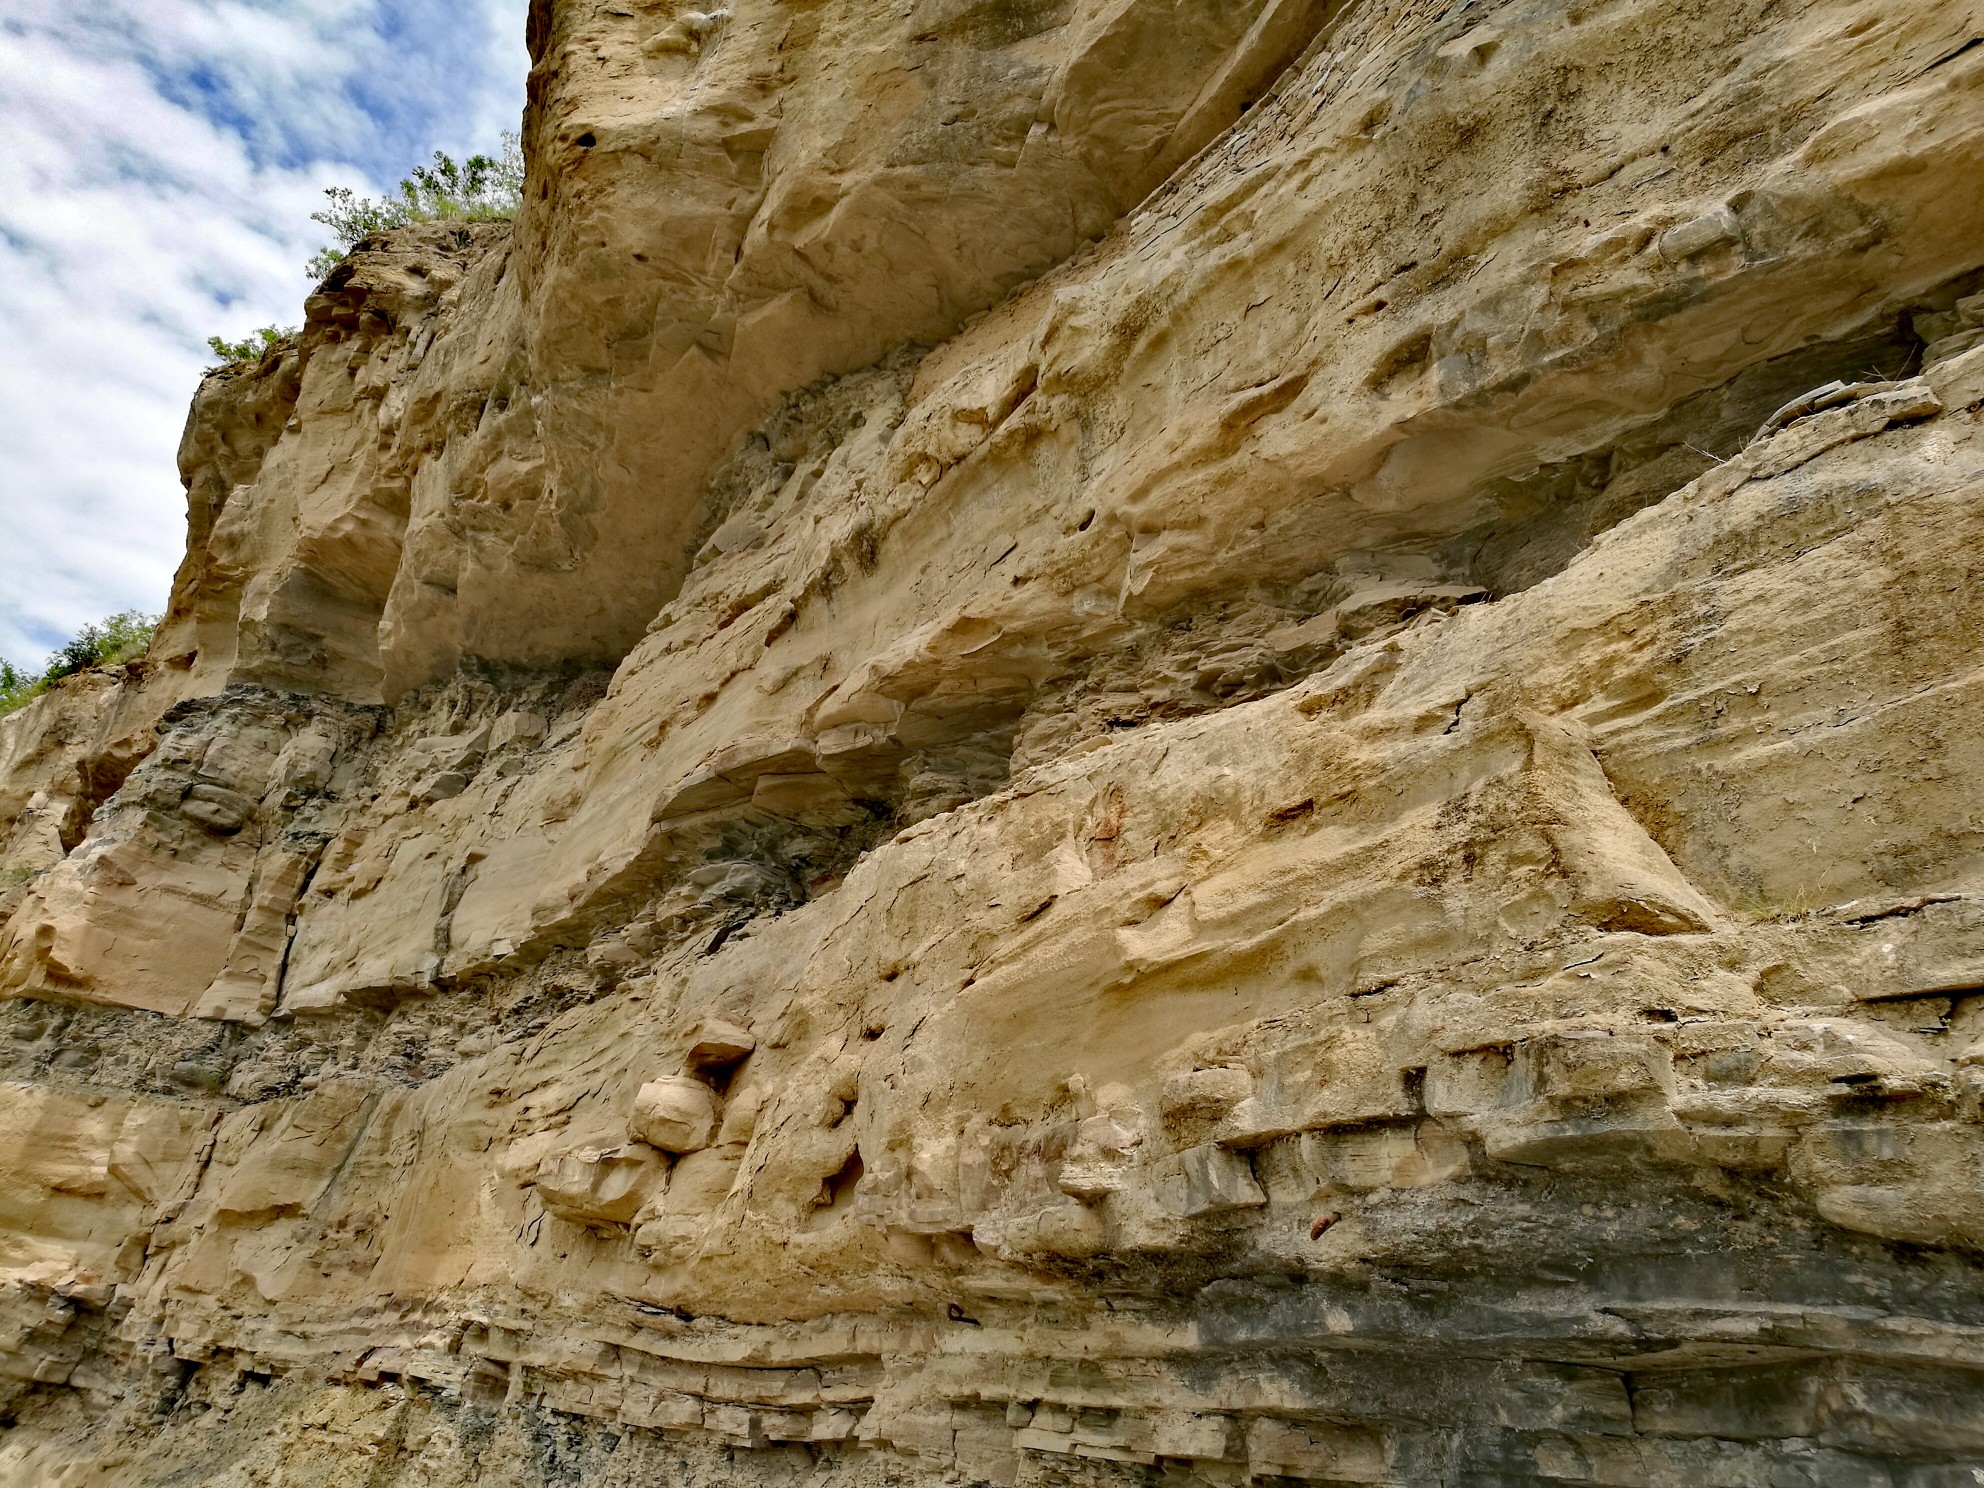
x: 1079, y: 742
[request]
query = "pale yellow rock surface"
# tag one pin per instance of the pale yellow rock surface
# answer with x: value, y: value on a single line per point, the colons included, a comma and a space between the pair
x: 1057, y: 743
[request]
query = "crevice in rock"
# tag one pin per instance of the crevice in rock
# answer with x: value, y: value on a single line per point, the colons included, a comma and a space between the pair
x: 99, y: 776
x: 771, y: 467
x: 1542, y: 521
x: 394, y: 1040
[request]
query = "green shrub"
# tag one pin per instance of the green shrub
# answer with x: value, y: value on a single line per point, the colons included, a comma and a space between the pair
x: 109, y: 642
x: 16, y: 687
x: 250, y: 347
x: 483, y: 188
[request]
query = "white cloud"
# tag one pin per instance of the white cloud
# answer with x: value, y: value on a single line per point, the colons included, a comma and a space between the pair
x: 159, y: 161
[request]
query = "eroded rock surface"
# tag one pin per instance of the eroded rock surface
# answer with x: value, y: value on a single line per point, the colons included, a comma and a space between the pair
x: 1057, y: 743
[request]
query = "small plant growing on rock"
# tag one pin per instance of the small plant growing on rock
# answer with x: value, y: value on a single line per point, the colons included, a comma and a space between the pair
x: 483, y: 188
x: 250, y: 347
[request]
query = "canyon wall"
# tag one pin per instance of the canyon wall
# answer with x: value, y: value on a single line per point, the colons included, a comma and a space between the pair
x: 1056, y: 742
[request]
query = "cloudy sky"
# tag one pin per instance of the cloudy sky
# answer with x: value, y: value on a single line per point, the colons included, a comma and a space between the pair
x: 159, y: 162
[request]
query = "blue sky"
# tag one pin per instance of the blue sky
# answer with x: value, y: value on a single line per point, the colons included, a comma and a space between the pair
x: 159, y: 162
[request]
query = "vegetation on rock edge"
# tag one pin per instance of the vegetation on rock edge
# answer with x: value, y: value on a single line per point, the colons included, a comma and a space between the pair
x: 483, y: 188
x: 109, y: 642
x: 250, y: 347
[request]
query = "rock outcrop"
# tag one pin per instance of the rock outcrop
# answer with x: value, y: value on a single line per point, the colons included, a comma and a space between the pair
x: 1078, y: 742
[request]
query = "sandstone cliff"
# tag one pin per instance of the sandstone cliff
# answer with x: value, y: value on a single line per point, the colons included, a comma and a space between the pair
x: 1057, y: 742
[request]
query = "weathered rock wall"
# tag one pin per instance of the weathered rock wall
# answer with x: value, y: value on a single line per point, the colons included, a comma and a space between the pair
x: 1057, y: 743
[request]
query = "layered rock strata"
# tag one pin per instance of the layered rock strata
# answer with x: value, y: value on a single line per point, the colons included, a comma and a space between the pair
x: 1057, y: 743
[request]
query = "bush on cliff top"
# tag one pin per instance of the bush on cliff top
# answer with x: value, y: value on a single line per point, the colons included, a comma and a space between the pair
x: 479, y: 189
x: 250, y: 347
x: 109, y: 642
x: 483, y: 188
